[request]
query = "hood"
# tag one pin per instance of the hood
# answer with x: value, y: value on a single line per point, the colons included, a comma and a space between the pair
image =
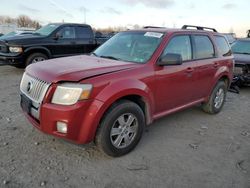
x: 75, y: 68
x: 242, y: 59
x: 21, y: 39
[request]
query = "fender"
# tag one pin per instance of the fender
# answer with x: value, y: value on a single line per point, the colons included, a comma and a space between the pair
x: 223, y: 71
x: 119, y: 89
x: 38, y: 48
x: 111, y: 93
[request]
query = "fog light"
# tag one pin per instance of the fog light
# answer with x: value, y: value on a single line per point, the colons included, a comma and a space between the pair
x: 61, y: 127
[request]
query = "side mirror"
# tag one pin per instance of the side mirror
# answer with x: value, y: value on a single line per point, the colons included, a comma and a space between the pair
x: 170, y: 59
x: 57, y: 36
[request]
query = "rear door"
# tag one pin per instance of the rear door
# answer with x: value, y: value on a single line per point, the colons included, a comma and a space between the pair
x: 85, y: 39
x: 175, y: 85
x: 206, y: 64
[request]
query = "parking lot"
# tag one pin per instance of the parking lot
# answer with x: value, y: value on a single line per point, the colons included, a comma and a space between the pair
x: 186, y: 149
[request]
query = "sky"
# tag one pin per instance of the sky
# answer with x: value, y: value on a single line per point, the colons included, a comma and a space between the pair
x: 224, y: 15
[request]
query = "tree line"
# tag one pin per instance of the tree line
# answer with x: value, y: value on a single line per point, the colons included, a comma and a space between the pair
x: 20, y: 21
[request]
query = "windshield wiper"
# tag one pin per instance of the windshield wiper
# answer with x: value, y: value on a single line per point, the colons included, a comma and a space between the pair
x: 110, y: 57
x: 94, y: 54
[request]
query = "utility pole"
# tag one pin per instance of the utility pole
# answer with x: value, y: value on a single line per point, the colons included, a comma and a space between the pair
x: 84, y: 12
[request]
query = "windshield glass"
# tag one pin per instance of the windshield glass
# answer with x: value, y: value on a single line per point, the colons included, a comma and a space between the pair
x: 241, y: 47
x: 135, y: 47
x: 46, y: 30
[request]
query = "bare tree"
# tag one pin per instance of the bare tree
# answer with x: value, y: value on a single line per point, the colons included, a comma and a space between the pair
x: 7, y: 20
x: 21, y: 21
x: 24, y: 21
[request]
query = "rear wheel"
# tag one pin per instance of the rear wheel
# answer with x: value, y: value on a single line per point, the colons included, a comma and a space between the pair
x: 35, y: 57
x: 216, y: 99
x: 121, y: 129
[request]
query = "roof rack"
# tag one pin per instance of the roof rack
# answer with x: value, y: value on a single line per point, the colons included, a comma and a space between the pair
x: 199, y: 28
x: 153, y: 27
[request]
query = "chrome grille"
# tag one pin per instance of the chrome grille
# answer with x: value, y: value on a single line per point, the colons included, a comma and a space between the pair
x: 34, y: 88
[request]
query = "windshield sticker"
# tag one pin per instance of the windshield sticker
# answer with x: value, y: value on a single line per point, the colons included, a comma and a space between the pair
x: 153, y: 34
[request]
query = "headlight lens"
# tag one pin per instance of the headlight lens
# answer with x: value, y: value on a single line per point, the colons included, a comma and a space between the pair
x: 69, y: 94
x: 15, y: 49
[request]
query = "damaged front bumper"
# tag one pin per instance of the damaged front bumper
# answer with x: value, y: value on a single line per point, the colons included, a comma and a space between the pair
x: 241, y: 74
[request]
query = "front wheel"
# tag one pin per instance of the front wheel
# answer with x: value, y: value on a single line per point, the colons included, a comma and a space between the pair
x: 35, y: 57
x: 121, y: 129
x: 216, y: 99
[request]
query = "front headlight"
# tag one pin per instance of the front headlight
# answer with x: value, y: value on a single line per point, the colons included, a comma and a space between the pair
x: 15, y: 49
x: 69, y: 93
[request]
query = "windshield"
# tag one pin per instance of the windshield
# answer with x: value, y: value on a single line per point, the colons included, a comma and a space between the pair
x: 135, y: 47
x: 241, y: 47
x: 46, y: 30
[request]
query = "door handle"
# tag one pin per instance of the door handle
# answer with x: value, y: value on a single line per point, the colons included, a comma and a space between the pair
x: 216, y: 65
x: 73, y: 43
x: 189, y: 70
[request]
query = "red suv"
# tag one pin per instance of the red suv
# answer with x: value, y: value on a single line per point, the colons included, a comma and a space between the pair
x: 131, y: 80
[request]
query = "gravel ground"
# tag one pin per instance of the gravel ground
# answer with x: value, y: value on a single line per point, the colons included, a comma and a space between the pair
x: 186, y: 149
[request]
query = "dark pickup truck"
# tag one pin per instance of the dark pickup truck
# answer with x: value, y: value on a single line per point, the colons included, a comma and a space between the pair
x: 51, y: 41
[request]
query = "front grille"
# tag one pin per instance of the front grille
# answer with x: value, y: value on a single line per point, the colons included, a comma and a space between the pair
x: 34, y: 88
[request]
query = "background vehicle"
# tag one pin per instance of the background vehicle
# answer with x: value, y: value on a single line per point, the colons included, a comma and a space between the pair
x: 231, y: 37
x: 241, y: 51
x: 50, y: 41
x: 16, y: 33
x: 102, y: 37
x: 131, y: 80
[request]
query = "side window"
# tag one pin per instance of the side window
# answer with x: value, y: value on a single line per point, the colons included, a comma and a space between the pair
x: 180, y: 45
x: 67, y: 33
x: 84, y: 32
x: 222, y: 46
x: 203, y: 47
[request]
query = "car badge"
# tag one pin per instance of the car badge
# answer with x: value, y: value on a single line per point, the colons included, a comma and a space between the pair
x: 29, y: 86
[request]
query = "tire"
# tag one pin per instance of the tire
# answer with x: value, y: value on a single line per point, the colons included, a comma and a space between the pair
x: 35, y: 57
x: 216, y: 99
x: 126, y: 121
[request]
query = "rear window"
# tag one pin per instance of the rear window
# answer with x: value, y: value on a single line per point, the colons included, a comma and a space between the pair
x: 84, y: 32
x: 203, y: 47
x: 222, y: 46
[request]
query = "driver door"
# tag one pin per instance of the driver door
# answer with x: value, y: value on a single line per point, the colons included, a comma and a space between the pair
x: 65, y: 45
x: 175, y: 86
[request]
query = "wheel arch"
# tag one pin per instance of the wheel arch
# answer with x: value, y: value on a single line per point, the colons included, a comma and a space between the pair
x: 222, y: 74
x: 40, y: 49
x: 139, y: 95
x: 137, y: 99
x: 132, y: 90
x: 226, y: 79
